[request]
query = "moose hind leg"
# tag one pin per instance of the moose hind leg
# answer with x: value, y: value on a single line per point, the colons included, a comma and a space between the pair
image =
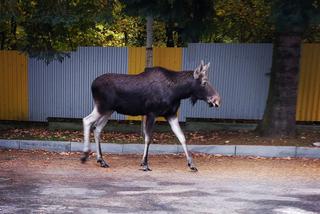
x: 174, y: 124
x: 87, y: 123
x: 97, y: 131
x: 148, y: 123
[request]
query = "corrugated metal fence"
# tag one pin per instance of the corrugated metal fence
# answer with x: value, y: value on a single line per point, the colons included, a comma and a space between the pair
x: 238, y: 71
x: 170, y: 58
x: 63, y: 89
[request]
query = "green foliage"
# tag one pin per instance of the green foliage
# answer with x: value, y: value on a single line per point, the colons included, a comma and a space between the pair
x: 195, y: 19
x: 295, y: 16
x: 241, y: 21
x: 50, y: 29
x: 186, y: 19
x: 47, y: 28
x: 10, y: 32
x: 132, y: 28
x: 51, y: 25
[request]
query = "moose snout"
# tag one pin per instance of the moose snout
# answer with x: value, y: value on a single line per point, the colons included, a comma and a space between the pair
x: 214, y: 101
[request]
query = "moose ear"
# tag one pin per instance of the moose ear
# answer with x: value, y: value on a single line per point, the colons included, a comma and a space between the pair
x: 197, y: 72
x: 206, y: 67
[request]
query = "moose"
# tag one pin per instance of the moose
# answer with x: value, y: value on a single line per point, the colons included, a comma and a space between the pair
x: 155, y: 92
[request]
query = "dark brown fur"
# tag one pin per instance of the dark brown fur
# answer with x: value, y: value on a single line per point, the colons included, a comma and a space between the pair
x: 156, y: 90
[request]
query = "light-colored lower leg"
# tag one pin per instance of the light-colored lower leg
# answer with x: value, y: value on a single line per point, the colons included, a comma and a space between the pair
x: 97, y: 131
x: 174, y: 124
x: 146, y: 148
x: 87, y: 122
x: 146, y: 140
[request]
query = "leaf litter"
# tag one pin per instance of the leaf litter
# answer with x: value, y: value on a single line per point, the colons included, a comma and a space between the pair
x: 217, y: 137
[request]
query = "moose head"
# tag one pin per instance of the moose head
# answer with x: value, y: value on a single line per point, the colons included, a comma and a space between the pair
x: 203, y: 88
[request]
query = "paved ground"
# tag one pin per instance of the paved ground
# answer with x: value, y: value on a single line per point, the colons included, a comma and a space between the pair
x: 43, y: 182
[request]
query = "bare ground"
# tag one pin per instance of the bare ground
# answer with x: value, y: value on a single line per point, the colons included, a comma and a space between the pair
x: 46, y: 182
x: 268, y: 168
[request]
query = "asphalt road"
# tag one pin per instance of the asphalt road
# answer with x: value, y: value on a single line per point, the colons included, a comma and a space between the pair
x: 43, y: 182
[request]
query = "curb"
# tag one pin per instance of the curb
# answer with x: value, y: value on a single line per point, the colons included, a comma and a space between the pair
x: 228, y: 150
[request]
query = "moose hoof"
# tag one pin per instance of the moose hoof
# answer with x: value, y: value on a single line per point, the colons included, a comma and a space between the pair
x: 102, y: 163
x: 192, y: 167
x: 84, y: 157
x: 145, y: 167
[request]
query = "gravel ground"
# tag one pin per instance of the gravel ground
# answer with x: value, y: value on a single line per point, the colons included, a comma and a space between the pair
x: 45, y: 182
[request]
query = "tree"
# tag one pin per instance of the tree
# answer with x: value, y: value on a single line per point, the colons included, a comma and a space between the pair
x: 147, y: 9
x: 241, y: 21
x: 149, y: 53
x: 185, y: 21
x: 10, y: 33
x: 292, y: 20
x: 47, y: 29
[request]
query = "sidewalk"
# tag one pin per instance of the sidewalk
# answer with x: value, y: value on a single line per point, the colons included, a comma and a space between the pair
x: 228, y: 150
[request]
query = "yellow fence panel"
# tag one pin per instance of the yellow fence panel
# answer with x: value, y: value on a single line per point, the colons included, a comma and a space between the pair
x: 13, y: 86
x: 136, y: 60
x: 308, y: 102
x: 136, y: 65
x: 170, y: 58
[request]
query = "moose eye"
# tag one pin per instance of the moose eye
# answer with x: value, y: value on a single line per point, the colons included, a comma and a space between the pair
x: 204, y: 83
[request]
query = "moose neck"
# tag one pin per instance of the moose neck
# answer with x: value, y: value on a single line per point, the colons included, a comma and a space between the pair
x: 184, y: 85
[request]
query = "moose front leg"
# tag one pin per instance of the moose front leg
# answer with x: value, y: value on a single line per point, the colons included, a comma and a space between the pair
x: 147, y: 125
x: 174, y: 124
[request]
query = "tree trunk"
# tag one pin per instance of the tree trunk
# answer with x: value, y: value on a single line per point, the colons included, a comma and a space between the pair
x: 14, y: 33
x: 3, y: 39
x: 126, y: 39
x: 180, y: 41
x: 149, y: 55
x: 169, y: 34
x: 279, y: 118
